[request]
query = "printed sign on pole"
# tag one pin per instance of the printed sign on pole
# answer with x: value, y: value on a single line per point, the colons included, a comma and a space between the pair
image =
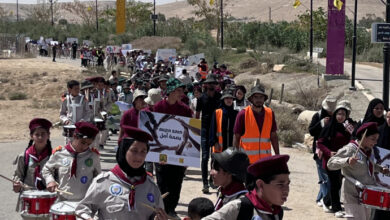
x: 113, y: 49
x: 195, y: 59
x: 382, y: 157
x: 176, y: 138
x: 72, y: 39
x: 166, y: 55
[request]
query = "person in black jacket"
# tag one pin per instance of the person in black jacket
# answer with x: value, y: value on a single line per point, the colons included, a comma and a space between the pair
x: 318, y: 122
x: 225, y: 128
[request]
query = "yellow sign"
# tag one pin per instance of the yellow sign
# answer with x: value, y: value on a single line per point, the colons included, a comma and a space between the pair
x: 120, y: 16
x: 338, y: 4
x: 296, y: 4
x: 211, y: 2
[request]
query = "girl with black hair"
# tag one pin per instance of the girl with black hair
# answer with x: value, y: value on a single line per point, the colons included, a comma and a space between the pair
x: 37, y: 153
x: 126, y: 191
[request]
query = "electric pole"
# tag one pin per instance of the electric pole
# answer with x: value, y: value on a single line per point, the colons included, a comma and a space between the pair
x: 386, y: 57
x: 354, y: 49
x: 222, y: 24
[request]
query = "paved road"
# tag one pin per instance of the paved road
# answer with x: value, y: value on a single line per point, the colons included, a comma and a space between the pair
x: 370, y: 77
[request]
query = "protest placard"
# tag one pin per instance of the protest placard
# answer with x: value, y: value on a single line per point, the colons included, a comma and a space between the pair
x: 382, y: 157
x: 166, y: 55
x: 72, y: 39
x: 191, y: 70
x: 123, y: 106
x: 176, y: 138
x: 195, y: 59
x: 113, y: 49
x: 127, y: 47
x: 87, y: 42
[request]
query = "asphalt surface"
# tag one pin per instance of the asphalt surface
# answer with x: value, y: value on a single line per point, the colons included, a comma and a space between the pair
x: 370, y: 77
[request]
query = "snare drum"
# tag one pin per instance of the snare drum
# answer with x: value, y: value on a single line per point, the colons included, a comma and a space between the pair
x: 68, y: 130
x: 36, y: 203
x: 63, y: 211
x: 100, y: 124
x: 376, y: 197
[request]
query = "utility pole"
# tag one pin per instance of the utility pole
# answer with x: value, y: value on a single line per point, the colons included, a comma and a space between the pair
x: 386, y: 57
x: 97, y: 21
x: 311, y: 30
x: 51, y: 10
x: 269, y: 14
x: 222, y: 24
x: 354, y: 48
x: 154, y: 18
x: 17, y: 10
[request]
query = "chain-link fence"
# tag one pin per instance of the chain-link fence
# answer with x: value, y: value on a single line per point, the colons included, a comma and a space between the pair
x: 12, y: 46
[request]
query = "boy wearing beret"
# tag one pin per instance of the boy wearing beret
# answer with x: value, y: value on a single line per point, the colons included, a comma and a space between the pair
x: 74, y: 165
x: 272, y: 186
x: 74, y: 107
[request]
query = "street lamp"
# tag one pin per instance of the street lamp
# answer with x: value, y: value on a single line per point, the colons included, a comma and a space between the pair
x: 311, y: 30
x: 386, y: 57
x: 154, y: 18
x: 17, y: 10
x: 354, y: 48
x: 222, y: 24
x: 97, y: 21
x: 51, y: 10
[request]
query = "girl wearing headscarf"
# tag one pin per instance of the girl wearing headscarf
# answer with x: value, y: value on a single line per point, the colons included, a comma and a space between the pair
x: 37, y: 153
x: 126, y: 191
x: 355, y: 162
x: 333, y: 137
x: 374, y: 113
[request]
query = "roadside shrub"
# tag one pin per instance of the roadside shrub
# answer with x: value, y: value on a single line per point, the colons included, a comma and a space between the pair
x: 289, y: 131
x: 241, y: 50
x: 17, y: 96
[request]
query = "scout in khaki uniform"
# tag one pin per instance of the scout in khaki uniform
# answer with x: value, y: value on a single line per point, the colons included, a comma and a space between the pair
x: 74, y: 107
x: 271, y: 178
x: 30, y: 163
x: 228, y: 171
x: 76, y: 164
x: 356, y: 163
x: 126, y: 190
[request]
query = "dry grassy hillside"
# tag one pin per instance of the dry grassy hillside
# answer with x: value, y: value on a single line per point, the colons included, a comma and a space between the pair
x: 280, y: 9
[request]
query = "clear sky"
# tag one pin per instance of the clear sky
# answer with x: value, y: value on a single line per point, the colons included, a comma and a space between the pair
x: 158, y: 2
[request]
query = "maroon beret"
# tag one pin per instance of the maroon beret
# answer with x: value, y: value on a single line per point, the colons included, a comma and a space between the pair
x: 136, y: 133
x: 39, y: 123
x: 95, y: 79
x: 86, y: 130
x: 269, y: 166
x: 371, y: 127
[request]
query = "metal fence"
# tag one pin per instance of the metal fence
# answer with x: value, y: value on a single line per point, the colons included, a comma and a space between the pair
x: 12, y: 46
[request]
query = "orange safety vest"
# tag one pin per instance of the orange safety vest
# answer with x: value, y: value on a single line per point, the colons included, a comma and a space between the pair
x: 203, y: 74
x: 218, y: 117
x: 256, y: 143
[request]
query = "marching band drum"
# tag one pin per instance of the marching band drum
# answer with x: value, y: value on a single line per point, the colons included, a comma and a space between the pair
x: 375, y: 197
x: 35, y: 203
x: 63, y: 210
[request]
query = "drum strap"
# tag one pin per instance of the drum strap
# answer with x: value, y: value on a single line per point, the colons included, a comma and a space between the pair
x: 74, y: 106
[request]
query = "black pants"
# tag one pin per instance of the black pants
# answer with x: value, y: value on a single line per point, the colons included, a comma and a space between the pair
x: 335, y: 179
x: 170, y: 179
x: 380, y: 215
x: 204, y: 142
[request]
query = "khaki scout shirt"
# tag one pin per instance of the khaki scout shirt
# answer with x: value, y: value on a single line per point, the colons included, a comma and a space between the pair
x: 60, y: 163
x: 359, y: 171
x: 108, y: 196
x: 75, y: 109
x: 231, y: 210
x: 29, y: 176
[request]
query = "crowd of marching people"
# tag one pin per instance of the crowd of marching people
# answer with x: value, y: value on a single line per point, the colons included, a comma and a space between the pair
x: 238, y: 134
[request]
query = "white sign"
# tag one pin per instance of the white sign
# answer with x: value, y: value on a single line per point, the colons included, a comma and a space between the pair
x: 318, y: 49
x: 113, y: 49
x: 166, y: 55
x: 191, y: 70
x: 195, y: 59
x: 176, y: 138
x: 382, y: 157
x: 127, y: 47
x: 48, y: 40
x: 54, y: 43
x: 123, y: 106
x: 27, y: 39
x: 72, y: 39
x: 87, y: 42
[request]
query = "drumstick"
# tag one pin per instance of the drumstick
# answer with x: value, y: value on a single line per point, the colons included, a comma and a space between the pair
x: 16, y: 182
x: 155, y: 210
x: 360, y: 144
x: 64, y: 192
x: 164, y: 195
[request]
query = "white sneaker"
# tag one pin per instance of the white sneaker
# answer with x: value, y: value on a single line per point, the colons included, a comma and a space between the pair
x: 339, y: 214
x: 319, y: 204
x: 325, y: 208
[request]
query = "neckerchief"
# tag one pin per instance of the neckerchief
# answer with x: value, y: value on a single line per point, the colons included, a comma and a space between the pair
x: 70, y: 149
x: 367, y: 155
x: 262, y: 205
x: 32, y: 153
x: 234, y: 188
x: 117, y: 171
